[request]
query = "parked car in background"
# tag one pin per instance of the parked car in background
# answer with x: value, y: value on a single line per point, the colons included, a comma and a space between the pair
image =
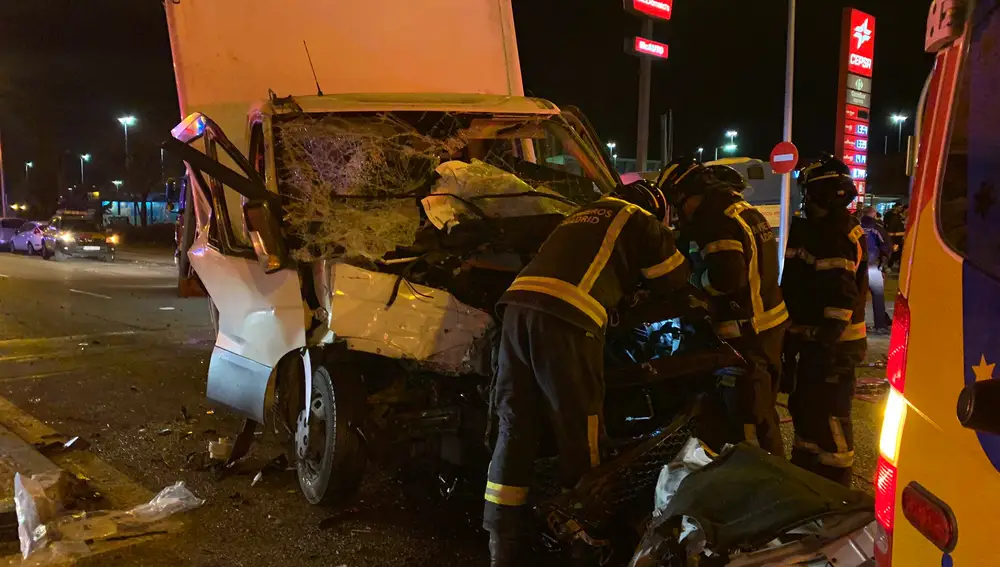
x: 28, y: 238
x: 79, y: 235
x: 8, y: 227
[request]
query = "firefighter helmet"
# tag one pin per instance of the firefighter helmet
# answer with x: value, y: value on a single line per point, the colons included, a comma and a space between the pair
x: 827, y: 182
x: 644, y: 195
x: 729, y: 176
x: 684, y: 178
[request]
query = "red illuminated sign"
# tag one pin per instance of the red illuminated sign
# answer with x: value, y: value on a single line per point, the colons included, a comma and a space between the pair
x: 651, y: 48
x: 855, y: 158
x: 855, y: 128
x: 861, y: 187
x: 859, y: 113
x: 660, y: 9
x: 858, y: 173
x: 861, y: 43
x: 855, y: 144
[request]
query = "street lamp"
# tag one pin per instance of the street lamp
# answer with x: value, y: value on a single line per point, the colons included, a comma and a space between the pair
x: 127, y: 121
x: 83, y: 158
x: 700, y: 151
x: 899, y: 119
x: 27, y: 165
x: 731, y: 134
x: 117, y: 183
x: 611, y: 149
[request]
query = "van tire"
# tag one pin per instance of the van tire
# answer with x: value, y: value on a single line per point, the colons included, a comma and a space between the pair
x: 335, y: 477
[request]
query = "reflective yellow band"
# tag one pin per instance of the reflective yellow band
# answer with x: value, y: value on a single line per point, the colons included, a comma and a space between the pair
x: 835, y: 263
x: 706, y: 284
x: 838, y: 435
x: 733, y: 211
x: 854, y: 332
x: 800, y: 253
x: 664, y: 267
x: 750, y: 434
x: 769, y: 320
x: 607, y: 246
x: 722, y: 246
x: 564, y: 291
x: 772, y: 317
x: 856, y: 234
x: 593, y: 431
x: 897, y: 234
x: 506, y: 495
x: 838, y: 314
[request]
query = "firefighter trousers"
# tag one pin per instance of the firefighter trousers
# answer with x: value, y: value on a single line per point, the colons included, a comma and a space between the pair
x: 821, y: 410
x: 550, y: 376
x: 743, y: 407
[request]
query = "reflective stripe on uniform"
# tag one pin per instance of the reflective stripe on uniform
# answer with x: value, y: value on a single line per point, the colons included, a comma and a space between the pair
x: 835, y: 263
x: 593, y: 431
x: 722, y: 246
x: 706, y: 284
x: 506, y: 495
x: 853, y: 332
x: 565, y: 291
x: 664, y: 267
x: 838, y: 314
x: 801, y: 254
x: 838, y: 435
x: 750, y: 434
x: 733, y: 212
x: 607, y: 247
x: 842, y: 459
x: 856, y: 233
x: 768, y: 320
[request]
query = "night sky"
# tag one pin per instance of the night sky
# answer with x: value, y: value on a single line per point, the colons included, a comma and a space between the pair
x: 69, y: 68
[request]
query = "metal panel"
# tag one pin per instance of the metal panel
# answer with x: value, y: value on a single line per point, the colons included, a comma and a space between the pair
x: 238, y: 383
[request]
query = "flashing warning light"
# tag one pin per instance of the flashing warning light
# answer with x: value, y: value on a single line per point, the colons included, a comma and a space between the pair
x: 651, y: 48
x: 660, y: 9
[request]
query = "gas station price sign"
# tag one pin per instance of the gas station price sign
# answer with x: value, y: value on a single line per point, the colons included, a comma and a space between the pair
x: 657, y: 9
x: 857, y: 62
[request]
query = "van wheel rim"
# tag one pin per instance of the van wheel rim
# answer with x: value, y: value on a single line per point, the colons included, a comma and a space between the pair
x: 311, y: 441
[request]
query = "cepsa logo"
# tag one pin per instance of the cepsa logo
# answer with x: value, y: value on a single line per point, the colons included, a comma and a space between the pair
x: 862, y: 43
x: 652, y: 48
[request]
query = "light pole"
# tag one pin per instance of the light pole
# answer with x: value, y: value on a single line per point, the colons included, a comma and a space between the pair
x: 117, y: 183
x: 899, y: 119
x: 83, y: 158
x: 27, y: 165
x: 611, y: 150
x: 731, y: 134
x: 700, y: 151
x: 127, y: 121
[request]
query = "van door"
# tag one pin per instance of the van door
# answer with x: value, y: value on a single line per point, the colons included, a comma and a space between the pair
x: 259, y: 316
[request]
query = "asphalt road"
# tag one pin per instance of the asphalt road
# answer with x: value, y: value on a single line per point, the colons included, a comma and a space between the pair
x: 109, y: 353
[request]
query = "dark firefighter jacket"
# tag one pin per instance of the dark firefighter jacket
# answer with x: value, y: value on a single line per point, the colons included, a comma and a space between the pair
x: 826, y: 278
x: 735, y: 257
x: 595, y: 257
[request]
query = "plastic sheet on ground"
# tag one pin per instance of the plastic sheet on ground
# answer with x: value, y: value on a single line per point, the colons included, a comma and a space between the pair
x: 489, y: 188
x: 52, y: 536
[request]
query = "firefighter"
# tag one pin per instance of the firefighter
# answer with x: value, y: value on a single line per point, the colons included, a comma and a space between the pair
x: 734, y: 254
x: 551, y: 363
x: 826, y: 285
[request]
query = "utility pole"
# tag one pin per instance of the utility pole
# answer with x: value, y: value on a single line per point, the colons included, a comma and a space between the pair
x: 645, y: 78
x: 786, y: 179
x: 3, y: 184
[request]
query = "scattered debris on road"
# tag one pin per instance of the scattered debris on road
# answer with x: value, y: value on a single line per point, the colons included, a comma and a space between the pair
x: 221, y: 449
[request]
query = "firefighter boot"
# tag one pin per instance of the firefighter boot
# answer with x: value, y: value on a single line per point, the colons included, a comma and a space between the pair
x: 506, y: 550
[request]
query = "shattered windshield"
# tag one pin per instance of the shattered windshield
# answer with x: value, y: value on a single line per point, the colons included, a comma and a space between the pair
x: 364, y: 183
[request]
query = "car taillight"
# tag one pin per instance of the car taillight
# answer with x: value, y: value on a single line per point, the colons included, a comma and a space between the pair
x: 932, y: 517
x: 896, y: 365
x: 892, y: 432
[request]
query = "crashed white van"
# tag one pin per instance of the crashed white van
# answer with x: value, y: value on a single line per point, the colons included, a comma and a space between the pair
x: 354, y: 245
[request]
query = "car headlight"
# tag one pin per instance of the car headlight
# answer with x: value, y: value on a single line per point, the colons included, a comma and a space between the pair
x: 113, y: 239
x: 67, y: 237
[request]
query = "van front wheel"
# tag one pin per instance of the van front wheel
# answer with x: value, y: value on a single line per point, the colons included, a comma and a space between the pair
x: 330, y: 456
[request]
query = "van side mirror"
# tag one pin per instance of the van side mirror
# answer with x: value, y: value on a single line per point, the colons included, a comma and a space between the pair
x: 265, y: 234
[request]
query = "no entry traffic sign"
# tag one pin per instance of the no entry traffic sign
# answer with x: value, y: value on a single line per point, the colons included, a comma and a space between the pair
x: 784, y: 157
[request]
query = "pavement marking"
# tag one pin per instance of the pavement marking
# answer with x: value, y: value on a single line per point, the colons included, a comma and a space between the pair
x: 4, y: 276
x: 166, y: 308
x: 42, y: 340
x: 90, y: 294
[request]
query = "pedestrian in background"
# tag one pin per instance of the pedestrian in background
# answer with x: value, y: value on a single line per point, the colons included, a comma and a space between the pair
x: 879, y: 252
x: 895, y: 224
